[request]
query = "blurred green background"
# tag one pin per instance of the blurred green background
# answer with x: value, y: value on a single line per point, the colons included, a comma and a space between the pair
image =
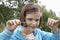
x: 12, y: 10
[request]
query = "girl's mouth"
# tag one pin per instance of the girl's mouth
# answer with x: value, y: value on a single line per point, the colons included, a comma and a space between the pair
x: 33, y: 27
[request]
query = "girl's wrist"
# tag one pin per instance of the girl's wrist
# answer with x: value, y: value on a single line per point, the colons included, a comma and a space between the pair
x: 55, y: 30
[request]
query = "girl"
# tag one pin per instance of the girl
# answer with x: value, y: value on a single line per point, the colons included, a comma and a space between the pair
x: 30, y: 19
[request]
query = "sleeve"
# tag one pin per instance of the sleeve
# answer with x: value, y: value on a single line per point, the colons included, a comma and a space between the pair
x: 50, y: 36
x: 6, y: 34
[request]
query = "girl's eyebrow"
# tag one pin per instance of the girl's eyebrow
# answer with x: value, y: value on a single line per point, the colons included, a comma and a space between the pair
x: 30, y: 18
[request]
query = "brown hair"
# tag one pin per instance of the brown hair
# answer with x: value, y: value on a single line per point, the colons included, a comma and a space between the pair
x: 30, y: 7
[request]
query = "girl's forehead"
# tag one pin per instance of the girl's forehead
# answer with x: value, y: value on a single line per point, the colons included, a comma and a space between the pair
x: 33, y: 15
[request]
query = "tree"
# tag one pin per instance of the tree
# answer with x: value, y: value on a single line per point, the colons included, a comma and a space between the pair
x: 7, y: 13
x: 45, y: 15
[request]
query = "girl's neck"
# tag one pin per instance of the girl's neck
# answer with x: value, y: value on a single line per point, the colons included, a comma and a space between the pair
x: 26, y: 30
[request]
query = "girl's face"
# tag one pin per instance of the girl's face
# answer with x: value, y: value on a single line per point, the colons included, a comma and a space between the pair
x: 32, y: 20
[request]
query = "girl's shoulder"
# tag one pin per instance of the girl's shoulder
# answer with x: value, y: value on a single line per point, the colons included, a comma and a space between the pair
x: 37, y: 30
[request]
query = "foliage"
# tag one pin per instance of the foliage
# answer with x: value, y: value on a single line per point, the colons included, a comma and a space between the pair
x: 45, y: 15
x: 7, y: 13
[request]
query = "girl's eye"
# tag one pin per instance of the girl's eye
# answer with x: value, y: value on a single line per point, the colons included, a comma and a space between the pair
x: 37, y: 19
x: 30, y: 19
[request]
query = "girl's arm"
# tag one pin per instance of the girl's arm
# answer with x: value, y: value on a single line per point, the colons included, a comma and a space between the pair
x: 50, y: 36
x: 6, y: 34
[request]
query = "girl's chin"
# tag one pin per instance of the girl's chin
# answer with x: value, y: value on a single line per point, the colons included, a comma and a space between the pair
x: 32, y: 28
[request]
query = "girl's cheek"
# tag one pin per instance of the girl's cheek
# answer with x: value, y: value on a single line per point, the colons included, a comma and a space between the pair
x: 37, y: 23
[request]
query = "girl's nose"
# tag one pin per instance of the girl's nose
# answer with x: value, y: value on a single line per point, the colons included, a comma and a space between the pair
x: 34, y: 23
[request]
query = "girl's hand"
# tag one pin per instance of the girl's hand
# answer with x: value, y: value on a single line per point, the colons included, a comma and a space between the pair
x: 53, y: 24
x: 12, y: 24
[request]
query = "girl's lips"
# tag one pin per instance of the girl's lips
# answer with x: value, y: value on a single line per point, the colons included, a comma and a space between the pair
x: 33, y: 27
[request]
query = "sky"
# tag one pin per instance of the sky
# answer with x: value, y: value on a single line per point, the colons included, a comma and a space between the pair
x: 52, y: 4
